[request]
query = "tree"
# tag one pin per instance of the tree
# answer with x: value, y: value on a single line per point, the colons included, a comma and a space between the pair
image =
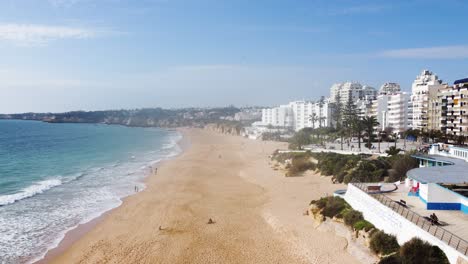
x: 417, y: 251
x: 337, y: 115
x: 395, y: 137
x: 300, y: 138
x: 369, y: 123
x: 400, y: 166
x: 435, y: 134
x: 358, y: 127
x: 392, y: 151
x: 384, y: 244
x: 321, y: 103
x: 313, y: 118
x: 337, y: 111
x: 350, y: 117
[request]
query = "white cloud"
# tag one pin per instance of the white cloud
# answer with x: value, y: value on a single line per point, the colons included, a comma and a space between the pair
x: 33, y: 34
x: 442, y: 52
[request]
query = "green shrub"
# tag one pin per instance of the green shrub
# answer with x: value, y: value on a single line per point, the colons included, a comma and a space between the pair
x: 363, y: 225
x: 400, y: 166
x: 417, y: 251
x: 299, y: 165
x: 351, y: 217
x: 384, y: 244
x: 334, y: 206
x: 331, y: 206
x: 321, y: 203
x: 282, y: 157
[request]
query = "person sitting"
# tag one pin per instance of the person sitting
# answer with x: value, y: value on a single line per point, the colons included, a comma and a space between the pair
x: 434, y: 218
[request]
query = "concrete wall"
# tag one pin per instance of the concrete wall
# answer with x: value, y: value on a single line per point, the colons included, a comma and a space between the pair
x: 423, y: 191
x: 464, y: 206
x: 392, y: 223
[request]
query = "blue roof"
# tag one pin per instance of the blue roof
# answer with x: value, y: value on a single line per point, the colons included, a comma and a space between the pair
x: 461, y: 81
x: 449, y: 174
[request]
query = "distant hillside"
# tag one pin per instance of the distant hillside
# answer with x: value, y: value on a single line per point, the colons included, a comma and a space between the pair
x: 149, y: 117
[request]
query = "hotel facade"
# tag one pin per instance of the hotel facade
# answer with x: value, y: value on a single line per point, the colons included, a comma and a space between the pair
x: 297, y: 115
x: 453, y: 109
x: 424, y: 87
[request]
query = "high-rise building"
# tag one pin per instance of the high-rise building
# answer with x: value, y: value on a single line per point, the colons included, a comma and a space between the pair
x: 368, y: 93
x: 364, y: 107
x: 435, y: 111
x: 353, y: 91
x: 281, y: 116
x: 392, y: 111
x: 424, y: 87
x: 299, y: 114
x: 453, y: 105
x: 390, y: 88
x: 311, y: 114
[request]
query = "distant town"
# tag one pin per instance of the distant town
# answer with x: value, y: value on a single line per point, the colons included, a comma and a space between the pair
x: 432, y: 107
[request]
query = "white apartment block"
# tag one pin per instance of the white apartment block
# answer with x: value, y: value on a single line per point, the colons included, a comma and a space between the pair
x: 298, y: 115
x: 453, y: 102
x: 364, y: 107
x: 392, y: 111
x: 281, y: 116
x: 425, y: 86
x: 368, y: 93
x: 305, y: 111
x: 390, y: 88
x: 351, y: 90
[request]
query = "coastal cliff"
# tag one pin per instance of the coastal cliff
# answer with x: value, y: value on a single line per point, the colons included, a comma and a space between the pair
x: 148, y: 117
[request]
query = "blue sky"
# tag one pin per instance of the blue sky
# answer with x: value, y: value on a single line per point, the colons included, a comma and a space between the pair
x: 60, y: 55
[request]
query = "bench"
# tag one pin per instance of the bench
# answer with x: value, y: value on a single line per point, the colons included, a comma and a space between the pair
x: 402, y: 203
x: 373, y: 188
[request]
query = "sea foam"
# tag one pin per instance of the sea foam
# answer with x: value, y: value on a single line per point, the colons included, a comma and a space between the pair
x: 29, y: 191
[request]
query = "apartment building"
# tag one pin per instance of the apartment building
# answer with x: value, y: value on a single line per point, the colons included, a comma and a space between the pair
x: 453, y: 107
x: 425, y: 86
x: 299, y: 114
x: 281, y: 116
x: 392, y: 108
x: 351, y: 90
x: 390, y: 88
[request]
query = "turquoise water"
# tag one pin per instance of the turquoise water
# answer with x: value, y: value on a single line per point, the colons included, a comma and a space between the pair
x: 56, y: 176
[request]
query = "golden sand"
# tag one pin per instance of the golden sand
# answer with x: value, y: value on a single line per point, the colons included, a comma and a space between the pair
x: 257, y: 212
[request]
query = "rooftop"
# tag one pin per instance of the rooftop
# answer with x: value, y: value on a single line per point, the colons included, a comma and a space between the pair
x: 461, y: 81
x: 455, y: 173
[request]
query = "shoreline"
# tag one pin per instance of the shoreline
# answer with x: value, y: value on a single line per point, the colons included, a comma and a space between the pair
x: 76, y: 233
x: 227, y: 178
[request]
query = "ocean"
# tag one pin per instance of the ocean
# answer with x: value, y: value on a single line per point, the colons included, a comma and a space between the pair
x: 54, y: 177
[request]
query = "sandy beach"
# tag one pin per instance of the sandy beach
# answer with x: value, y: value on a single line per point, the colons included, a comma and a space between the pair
x: 258, y: 213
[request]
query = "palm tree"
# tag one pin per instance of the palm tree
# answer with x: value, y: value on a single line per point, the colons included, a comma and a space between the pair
x: 358, y: 127
x: 341, y: 133
x: 313, y: 118
x: 392, y: 151
x: 369, y: 123
x: 321, y: 118
x: 395, y: 137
